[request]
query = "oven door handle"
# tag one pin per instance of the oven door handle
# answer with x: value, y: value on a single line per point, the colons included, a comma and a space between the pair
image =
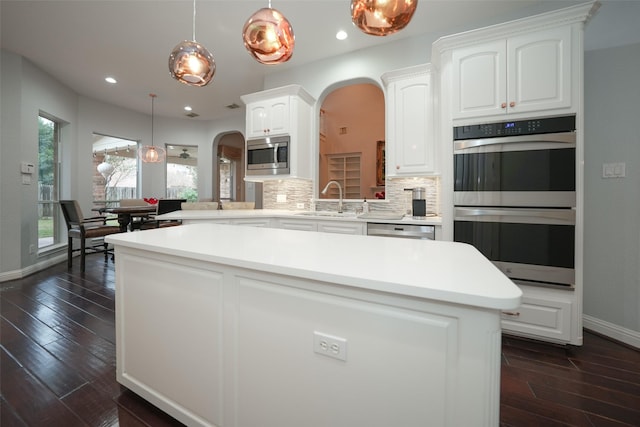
x: 275, y: 153
x: 535, y: 216
x: 563, y: 138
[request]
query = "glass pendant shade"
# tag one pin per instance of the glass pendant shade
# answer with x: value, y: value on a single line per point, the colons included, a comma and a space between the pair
x: 192, y: 64
x: 105, y: 169
x: 268, y: 36
x: 382, y: 17
x: 150, y: 153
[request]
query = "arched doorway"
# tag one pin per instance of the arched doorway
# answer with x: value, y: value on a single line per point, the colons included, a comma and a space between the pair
x: 351, y: 142
x: 229, y: 167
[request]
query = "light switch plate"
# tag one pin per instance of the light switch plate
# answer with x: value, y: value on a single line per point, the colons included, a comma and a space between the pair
x: 614, y: 170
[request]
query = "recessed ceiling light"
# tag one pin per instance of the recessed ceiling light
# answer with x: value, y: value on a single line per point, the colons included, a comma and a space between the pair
x: 341, y: 35
x: 110, y: 80
x: 187, y: 108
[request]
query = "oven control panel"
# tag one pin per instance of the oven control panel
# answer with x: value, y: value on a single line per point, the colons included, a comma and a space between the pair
x: 515, y: 127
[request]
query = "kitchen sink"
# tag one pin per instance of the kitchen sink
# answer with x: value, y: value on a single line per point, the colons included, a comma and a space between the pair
x: 330, y: 214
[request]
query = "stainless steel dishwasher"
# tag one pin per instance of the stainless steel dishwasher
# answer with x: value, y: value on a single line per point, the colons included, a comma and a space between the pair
x: 405, y: 231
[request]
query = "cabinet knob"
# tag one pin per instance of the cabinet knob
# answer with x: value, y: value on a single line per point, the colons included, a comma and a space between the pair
x: 397, y: 167
x: 512, y: 104
x: 503, y: 105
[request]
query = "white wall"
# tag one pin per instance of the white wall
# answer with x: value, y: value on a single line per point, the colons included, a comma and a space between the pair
x: 95, y: 116
x: 612, y: 206
x: 27, y: 91
x: 362, y: 65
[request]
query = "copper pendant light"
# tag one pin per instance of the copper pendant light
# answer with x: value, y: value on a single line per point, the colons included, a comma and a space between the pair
x: 190, y: 62
x: 268, y: 36
x: 151, y: 153
x: 382, y: 17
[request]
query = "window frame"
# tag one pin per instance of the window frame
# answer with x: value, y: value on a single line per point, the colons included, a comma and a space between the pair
x: 44, y: 244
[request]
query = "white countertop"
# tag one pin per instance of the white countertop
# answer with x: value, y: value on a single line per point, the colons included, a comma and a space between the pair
x: 442, y: 271
x: 272, y: 213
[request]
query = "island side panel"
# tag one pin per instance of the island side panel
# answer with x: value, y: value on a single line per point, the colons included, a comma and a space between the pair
x: 409, y: 362
x: 169, y: 335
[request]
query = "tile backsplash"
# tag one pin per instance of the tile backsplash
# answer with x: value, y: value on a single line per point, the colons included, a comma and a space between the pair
x: 295, y: 191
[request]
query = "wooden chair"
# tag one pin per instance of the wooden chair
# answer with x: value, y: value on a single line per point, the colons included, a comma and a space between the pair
x: 164, y: 206
x: 137, y: 221
x: 82, y: 228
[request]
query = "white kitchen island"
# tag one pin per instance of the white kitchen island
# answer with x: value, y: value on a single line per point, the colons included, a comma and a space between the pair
x: 227, y: 325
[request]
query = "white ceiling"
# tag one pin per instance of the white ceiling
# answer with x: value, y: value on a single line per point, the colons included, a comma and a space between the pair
x: 82, y: 42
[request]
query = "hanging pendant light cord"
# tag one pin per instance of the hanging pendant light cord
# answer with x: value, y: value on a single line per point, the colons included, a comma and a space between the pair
x: 194, y: 20
x: 153, y: 98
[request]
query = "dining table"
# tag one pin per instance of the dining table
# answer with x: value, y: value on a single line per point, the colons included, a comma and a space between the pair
x: 126, y: 213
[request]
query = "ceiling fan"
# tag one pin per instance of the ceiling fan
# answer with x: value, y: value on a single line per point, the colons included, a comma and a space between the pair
x: 184, y: 154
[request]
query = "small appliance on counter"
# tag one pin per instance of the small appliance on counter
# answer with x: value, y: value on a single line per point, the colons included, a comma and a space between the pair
x: 418, y: 202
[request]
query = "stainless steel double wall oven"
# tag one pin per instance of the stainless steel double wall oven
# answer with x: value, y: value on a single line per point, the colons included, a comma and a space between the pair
x: 515, y: 197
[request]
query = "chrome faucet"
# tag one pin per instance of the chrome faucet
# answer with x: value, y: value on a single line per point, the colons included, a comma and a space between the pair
x: 339, y: 192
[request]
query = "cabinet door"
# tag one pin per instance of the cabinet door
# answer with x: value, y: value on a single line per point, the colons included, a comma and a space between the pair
x: 296, y: 224
x: 543, y: 317
x: 252, y: 222
x: 410, y: 149
x: 269, y: 117
x: 278, y: 116
x: 256, y: 119
x: 479, y: 80
x: 341, y: 227
x: 539, y: 71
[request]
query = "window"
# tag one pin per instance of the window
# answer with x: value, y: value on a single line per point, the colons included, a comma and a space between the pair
x: 115, y: 170
x: 48, y: 182
x: 182, y: 172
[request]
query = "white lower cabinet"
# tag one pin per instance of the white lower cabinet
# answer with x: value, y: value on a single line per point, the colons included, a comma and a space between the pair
x: 239, y: 346
x: 252, y: 222
x: 341, y: 227
x: 295, y: 224
x: 544, y: 314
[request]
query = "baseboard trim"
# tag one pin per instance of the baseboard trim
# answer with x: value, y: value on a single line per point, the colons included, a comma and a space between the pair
x: 618, y: 333
x: 34, y: 268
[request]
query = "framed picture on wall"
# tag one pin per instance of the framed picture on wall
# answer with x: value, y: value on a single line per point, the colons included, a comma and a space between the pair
x: 380, y: 164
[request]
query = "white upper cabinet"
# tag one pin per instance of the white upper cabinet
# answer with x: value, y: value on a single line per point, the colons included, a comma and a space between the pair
x: 268, y: 118
x: 520, y: 74
x: 286, y: 110
x: 410, y: 147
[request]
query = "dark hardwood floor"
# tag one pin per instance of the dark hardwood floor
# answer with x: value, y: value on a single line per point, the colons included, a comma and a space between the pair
x: 57, y: 365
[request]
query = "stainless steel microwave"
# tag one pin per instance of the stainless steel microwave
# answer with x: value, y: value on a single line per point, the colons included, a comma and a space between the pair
x: 268, y: 156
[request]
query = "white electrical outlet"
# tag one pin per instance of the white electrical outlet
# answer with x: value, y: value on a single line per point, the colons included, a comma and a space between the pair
x: 300, y: 205
x: 329, y: 345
